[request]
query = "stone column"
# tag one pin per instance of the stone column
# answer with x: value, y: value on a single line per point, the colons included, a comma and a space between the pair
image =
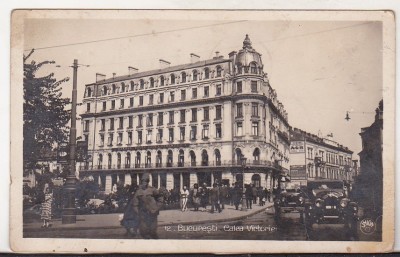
x: 158, y: 180
x: 180, y: 181
x: 128, y: 180
x: 150, y: 179
x: 170, y: 181
x: 108, y: 184
x: 212, y: 179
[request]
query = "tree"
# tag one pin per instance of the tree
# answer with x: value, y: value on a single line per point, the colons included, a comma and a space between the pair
x: 45, y: 117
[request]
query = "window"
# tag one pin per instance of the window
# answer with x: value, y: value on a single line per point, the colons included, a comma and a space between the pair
x: 309, y: 152
x: 169, y: 158
x: 104, y: 90
x: 130, y: 121
x: 86, y: 126
x: 148, y: 136
x: 218, y: 90
x: 122, y: 87
x: 140, y: 120
x: 183, y: 80
x: 112, y: 104
x: 171, y: 96
x: 139, y: 133
x: 89, y: 92
x: 122, y: 102
x: 254, y: 128
x: 193, y: 133
x: 101, y: 139
x: 104, y: 106
x: 151, y: 99
x: 181, y: 158
x: 148, y: 160
x: 183, y: 95
x: 253, y: 68
x: 182, y: 115
x: 160, y: 120
x: 141, y: 100
x: 206, y: 113
x: 205, y: 131
x: 171, y: 134
x: 128, y: 160
x: 219, y: 71
x: 162, y: 81
x: 218, y: 131
x: 88, y: 107
x: 194, y: 114
x: 141, y: 84
x: 239, y: 69
x: 239, y: 110
x: 171, y: 117
x: 194, y: 75
x: 132, y: 86
x: 111, y: 124
x: 149, y: 120
x: 113, y: 89
x: 161, y: 98
x: 159, y: 135
x: 110, y: 139
x: 206, y: 91
x: 254, y: 109
x: 194, y: 93
x: 119, y: 139
x: 103, y: 125
x: 182, y: 133
x: 256, y: 155
x: 254, y: 87
x: 172, y: 79
x: 321, y: 154
x: 239, y: 87
x: 206, y: 73
x: 151, y: 82
x: 131, y: 102
x: 239, y: 129
x: 129, y: 138
x: 218, y: 112
x: 121, y: 122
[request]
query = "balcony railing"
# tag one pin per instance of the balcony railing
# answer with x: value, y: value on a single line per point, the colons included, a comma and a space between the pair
x: 179, y: 164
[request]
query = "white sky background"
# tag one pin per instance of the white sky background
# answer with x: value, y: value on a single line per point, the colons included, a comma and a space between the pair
x: 319, y: 69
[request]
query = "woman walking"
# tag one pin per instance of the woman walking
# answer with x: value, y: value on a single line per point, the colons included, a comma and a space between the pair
x: 196, y: 197
x: 130, y: 220
x: 46, y: 207
x: 184, y: 198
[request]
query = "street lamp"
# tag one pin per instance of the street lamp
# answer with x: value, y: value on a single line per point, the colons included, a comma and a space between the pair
x: 243, y: 162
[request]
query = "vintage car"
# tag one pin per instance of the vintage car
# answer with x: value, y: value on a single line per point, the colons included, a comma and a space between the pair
x: 289, y: 200
x: 328, y: 202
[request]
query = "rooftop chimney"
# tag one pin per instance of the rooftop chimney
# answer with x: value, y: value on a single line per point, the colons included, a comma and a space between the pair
x: 114, y: 74
x: 100, y: 77
x: 194, y: 58
x: 132, y: 70
x: 164, y: 64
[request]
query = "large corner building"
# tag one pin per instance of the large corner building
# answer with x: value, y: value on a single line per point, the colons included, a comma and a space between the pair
x: 186, y: 124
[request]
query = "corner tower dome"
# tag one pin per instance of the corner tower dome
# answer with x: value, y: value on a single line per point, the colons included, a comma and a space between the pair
x: 247, y: 56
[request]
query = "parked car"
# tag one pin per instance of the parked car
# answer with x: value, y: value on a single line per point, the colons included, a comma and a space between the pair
x: 289, y: 200
x: 328, y: 203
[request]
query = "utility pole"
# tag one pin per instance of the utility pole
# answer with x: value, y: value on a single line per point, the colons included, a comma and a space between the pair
x: 69, y: 213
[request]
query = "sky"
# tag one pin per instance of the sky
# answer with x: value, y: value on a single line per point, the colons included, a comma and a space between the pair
x: 320, y: 69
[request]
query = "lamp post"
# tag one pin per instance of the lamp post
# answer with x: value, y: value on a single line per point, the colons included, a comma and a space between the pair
x: 243, y: 162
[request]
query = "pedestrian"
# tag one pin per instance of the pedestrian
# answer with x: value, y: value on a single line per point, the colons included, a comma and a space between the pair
x: 147, y: 203
x: 184, y: 198
x: 269, y: 195
x: 204, y: 196
x: 196, y: 197
x: 249, y: 196
x: 230, y: 196
x: 215, y: 196
x: 224, y: 196
x: 255, y: 193
x: 130, y: 219
x: 46, y: 207
x: 260, y: 193
x: 236, y: 195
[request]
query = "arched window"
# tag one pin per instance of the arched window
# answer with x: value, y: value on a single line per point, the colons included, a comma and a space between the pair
x: 169, y: 158
x: 109, y: 161
x: 194, y: 75
x: 158, y: 159
x: 172, y: 79
x: 256, y: 180
x: 162, y: 81
x: 181, y: 158
x: 256, y: 156
x: 141, y: 83
x: 151, y: 82
x: 122, y: 87
x: 89, y: 92
x: 104, y: 90
x: 132, y: 85
x: 114, y: 88
x: 192, y: 158
x: 219, y: 71
x: 183, y: 77
x: 148, y: 159
x: 238, y: 156
x: 137, y: 161
x: 128, y: 160
x: 206, y: 73
x: 217, y: 157
x: 253, y: 68
x: 118, y: 160
x: 100, y: 163
x: 239, y: 69
x: 204, y: 158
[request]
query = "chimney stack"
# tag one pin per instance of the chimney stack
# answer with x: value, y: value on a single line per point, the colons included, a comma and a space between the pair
x: 132, y: 70
x: 194, y: 58
x: 164, y: 64
x: 114, y: 74
x: 100, y: 77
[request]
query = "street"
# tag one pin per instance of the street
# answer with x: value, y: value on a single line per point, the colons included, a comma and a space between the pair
x: 261, y: 226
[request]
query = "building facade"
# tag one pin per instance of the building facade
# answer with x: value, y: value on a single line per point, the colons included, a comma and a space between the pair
x: 313, y: 157
x: 186, y: 124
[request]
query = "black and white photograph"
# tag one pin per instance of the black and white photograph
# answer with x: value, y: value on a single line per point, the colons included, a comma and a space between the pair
x: 192, y: 126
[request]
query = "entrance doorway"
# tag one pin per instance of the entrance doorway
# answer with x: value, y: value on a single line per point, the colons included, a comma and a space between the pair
x: 204, y: 177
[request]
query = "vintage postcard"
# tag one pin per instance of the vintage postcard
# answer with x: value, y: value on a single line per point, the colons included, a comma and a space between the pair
x: 199, y: 131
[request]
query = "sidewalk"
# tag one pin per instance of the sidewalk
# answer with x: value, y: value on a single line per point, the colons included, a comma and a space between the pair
x: 166, y: 217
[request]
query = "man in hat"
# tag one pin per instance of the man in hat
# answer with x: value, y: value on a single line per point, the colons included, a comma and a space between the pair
x: 147, y: 203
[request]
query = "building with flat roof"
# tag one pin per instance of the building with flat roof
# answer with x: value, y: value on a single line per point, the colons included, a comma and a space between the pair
x: 186, y: 124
